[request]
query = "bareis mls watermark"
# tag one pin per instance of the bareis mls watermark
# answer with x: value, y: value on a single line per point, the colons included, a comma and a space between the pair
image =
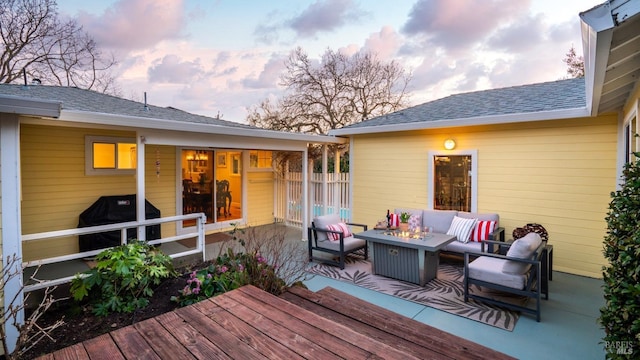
x: 619, y: 347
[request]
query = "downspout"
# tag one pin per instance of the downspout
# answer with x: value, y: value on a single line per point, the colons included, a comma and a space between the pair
x: 140, y: 185
x: 305, y: 192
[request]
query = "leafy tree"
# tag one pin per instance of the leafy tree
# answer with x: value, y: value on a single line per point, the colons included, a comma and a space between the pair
x: 575, y: 63
x: 38, y: 44
x: 338, y: 91
x: 620, y: 316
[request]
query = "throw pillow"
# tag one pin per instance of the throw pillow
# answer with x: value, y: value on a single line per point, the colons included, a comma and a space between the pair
x: 415, y: 222
x: 394, y: 220
x: 482, y: 230
x: 461, y: 228
x: 342, y: 227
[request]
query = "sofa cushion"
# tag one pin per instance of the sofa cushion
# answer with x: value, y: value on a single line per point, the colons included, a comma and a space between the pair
x: 482, y: 230
x: 394, y: 220
x: 486, y: 216
x: 322, y: 222
x: 342, y: 227
x: 350, y: 243
x: 438, y: 220
x: 522, y: 248
x: 489, y: 269
x: 461, y: 228
x: 460, y: 247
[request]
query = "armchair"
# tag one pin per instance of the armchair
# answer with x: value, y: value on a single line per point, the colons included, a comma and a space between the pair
x: 518, y: 272
x: 318, y: 238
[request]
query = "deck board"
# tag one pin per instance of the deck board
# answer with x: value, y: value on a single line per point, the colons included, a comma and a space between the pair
x: 249, y: 323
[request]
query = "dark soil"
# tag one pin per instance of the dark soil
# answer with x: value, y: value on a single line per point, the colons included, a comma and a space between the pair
x: 81, y: 324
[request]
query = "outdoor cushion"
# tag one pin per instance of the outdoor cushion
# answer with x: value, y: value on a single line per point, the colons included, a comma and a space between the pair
x: 521, y: 248
x: 350, y: 243
x: 438, y: 220
x: 461, y: 228
x: 489, y: 269
x: 342, y: 227
x: 486, y: 216
x: 322, y: 222
x: 460, y: 247
x: 482, y: 230
x: 415, y: 222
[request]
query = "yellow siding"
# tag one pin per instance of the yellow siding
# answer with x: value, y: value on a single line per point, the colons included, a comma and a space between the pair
x: 556, y: 173
x: 260, y: 195
x: 55, y: 190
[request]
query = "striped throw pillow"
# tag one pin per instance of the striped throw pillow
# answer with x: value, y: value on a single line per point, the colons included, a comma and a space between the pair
x: 342, y: 227
x: 462, y: 228
x: 394, y: 220
x: 482, y: 230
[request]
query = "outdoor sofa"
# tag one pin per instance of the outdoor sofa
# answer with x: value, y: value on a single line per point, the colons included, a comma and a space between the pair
x: 328, y: 234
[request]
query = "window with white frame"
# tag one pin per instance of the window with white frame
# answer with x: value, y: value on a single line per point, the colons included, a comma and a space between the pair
x: 260, y: 159
x: 105, y: 155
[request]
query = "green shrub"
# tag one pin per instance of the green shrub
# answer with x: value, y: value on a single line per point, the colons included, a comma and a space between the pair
x: 620, y: 316
x: 123, y: 278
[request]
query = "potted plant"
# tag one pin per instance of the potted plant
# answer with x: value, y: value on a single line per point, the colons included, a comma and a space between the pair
x: 404, y: 221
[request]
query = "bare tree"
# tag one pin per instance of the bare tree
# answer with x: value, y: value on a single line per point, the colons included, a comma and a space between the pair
x: 36, y: 43
x: 338, y: 91
x: 575, y: 63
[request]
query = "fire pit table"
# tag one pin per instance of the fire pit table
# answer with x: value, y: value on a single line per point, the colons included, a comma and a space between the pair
x: 406, y: 256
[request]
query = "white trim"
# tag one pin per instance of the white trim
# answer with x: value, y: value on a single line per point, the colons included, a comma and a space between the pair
x: 478, y: 120
x: 86, y: 117
x: 474, y: 175
x: 11, y: 223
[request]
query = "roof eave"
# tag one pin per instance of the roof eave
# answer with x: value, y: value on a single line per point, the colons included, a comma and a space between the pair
x: 76, y: 116
x: 472, y: 121
x: 30, y: 107
x: 597, y: 32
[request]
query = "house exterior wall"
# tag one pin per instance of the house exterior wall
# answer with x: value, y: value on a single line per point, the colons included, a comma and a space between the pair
x: 260, y: 191
x: 55, y: 189
x: 556, y: 173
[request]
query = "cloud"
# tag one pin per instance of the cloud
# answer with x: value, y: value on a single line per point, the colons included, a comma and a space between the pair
x: 324, y: 16
x: 136, y: 24
x: 385, y: 43
x: 170, y: 69
x: 458, y: 24
x: 270, y: 74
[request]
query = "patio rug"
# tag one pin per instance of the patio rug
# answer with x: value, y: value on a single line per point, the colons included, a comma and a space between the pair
x: 445, y: 293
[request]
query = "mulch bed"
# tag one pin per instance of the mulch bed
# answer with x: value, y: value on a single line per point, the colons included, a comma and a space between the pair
x: 81, y: 324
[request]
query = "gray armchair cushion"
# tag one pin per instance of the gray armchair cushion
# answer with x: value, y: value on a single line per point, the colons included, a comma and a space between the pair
x: 489, y: 269
x: 522, y: 248
x: 322, y: 222
x: 350, y: 243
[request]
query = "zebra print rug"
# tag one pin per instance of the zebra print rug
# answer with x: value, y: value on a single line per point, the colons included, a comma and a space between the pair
x: 445, y: 293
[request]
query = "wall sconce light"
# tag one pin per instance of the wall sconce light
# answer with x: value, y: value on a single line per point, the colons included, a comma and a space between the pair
x: 449, y: 144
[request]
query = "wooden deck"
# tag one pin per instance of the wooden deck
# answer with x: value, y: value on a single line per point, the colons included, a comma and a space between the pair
x: 249, y: 323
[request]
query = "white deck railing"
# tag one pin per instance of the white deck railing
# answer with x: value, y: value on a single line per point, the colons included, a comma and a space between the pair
x: 123, y: 227
x: 288, y: 197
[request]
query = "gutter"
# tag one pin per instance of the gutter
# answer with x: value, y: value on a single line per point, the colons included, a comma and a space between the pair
x: 23, y: 106
x: 472, y: 121
x: 86, y: 117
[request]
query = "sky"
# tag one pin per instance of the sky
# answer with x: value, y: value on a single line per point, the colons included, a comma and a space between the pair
x: 222, y: 57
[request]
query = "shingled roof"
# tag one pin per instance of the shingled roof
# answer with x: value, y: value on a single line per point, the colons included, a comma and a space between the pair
x: 534, y: 98
x: 76, y: 99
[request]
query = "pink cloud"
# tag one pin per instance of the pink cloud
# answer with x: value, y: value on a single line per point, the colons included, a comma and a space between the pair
x: 136, y: 24
x: 385, y: 43
x: 460, y: 23
x: 171, y: 69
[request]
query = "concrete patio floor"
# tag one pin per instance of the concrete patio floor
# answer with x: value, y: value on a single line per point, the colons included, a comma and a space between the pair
x: 568, y: 328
